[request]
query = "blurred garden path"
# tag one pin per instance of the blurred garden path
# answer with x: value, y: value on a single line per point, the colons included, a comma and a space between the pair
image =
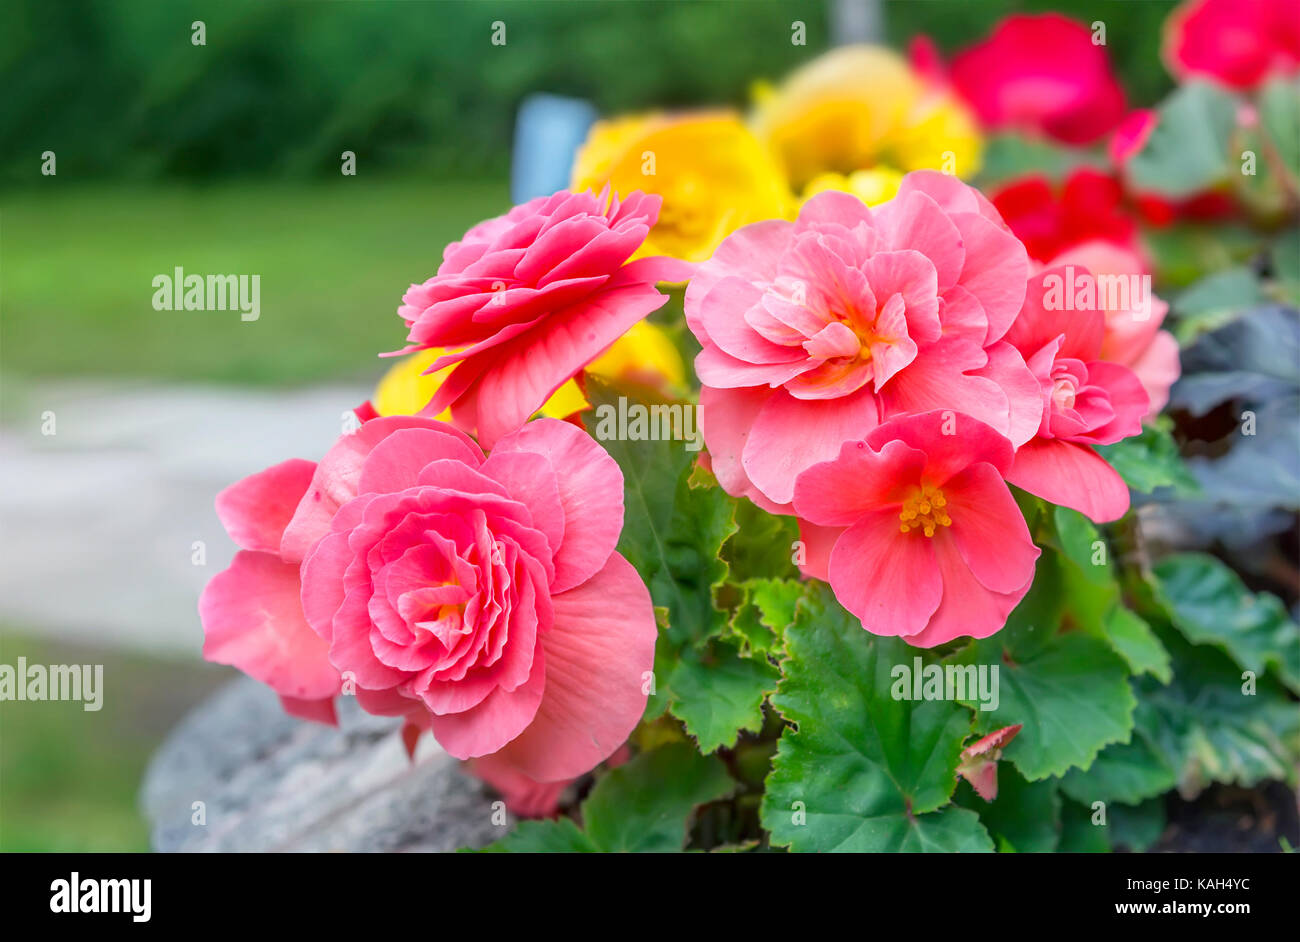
x: 99, y: 520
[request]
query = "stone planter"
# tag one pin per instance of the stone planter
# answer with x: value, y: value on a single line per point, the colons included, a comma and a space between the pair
x: 269, y: 782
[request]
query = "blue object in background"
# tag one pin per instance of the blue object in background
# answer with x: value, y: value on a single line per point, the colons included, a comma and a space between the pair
x: 548, y: 132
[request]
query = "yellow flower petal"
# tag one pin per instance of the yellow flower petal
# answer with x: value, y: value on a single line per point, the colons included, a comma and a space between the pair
x: 644, y: 355
x: 713, y: 174
x: 859, y: 108
x: 403, y: 390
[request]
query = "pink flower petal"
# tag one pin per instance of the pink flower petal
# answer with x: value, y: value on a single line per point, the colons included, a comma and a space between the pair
x: 1158, y: 368
x: 590, y: 487
x: 336, y: 478
x: 749, y: 253
x: 523, y: 796
x: 498, y: 719
x: 598, y: 654
x: 968, y: 609
x: 792, y: 434
x: 952, y: 195
x: 888, y: 579
x: 947, y: 375
x: 951, y: 441
x: 395, y: 463
x: 1126, y: 397
x: 317, y: 711
x: 995, y: 272
x: 989, y: 530
x: 817, y: 545
x: 524, y: 372
x: 1073, y: 476
x: 256, y: 510
x: 252, y: 619
x: 858, y: 481
x: 530, y: 479
x: 915, y: 221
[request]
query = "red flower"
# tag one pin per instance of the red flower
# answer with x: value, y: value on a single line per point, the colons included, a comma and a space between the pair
x: 1041, y: 74
x: 1240, y: 43
x: 1048, y: 221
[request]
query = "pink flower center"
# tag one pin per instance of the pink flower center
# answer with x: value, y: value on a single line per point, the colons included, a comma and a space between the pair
x: 1064, y: 390
x: 923, y: 509
x: 446, y: 623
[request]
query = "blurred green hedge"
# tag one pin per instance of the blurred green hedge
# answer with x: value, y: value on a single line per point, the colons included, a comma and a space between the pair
x: 116, y: 89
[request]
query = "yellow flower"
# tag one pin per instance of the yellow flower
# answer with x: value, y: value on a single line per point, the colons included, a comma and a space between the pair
x: 874, y: 186
x: 712, y: 173
x: 643, y: 355
x: 863, y: 107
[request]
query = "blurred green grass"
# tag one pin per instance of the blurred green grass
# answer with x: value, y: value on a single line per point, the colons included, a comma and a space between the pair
x: 70, y: 778
x: 77, y: 262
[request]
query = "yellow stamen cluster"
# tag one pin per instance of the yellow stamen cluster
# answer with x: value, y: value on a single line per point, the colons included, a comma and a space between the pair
x: 923, y: 510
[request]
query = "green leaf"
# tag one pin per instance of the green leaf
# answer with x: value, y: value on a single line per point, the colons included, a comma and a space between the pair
x: 1009, y: 156
x: 1214, y: 300
x: 1150, y: 460
x: 1079, y: 541
x: 643, y: 806
x: 1285, y: 255
x: 1136, y: 827
x: 1213, y: 728
x: 1078, y: 834
x: 762, y: 546
x: 1134, y: 641
x: 674, y: 526
x: 1185, y: 251
x: 1189, y: 149
x: 1126, y: 773
x: 765, y: 610
x: 676, y: 520
x: 544, y: 837
x: 861, y: 771
x: 1070, y: 692
x: 1279, y: 114
x: 1209, y: 726
x: 1210, y: 604
x: 646, y: 805
x: 719, y: 692
x: 1026, y: 815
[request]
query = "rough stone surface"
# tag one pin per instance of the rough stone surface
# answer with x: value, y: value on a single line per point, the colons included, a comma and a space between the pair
x: 270, y: 782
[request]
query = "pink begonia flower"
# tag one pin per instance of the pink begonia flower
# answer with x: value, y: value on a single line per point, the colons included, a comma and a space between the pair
x: 1133, y: 335
x: 526, y: 300
x: 925, y: 540
x: 479, y: 597
x: 1041, y: 73
x: 1086, y: 400
x: 1240, y: 43
x: 816, y: 331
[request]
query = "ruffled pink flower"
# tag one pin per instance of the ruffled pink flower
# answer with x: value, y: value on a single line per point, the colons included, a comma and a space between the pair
x: 1133, y: 335
x: 916, y: 531
x: 526, y: 300
x: 1041, y: 74
x: 1240, y: 43
x: 1086, y: 400
x: 479, y: 597
x: 816, y: 331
